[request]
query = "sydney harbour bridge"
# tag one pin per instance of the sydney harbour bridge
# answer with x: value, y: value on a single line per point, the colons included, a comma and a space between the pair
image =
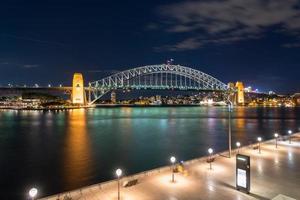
x: 163, y: 76
x: 157, y: 77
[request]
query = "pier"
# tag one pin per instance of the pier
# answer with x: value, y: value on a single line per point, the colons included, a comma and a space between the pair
x: 275, y: 175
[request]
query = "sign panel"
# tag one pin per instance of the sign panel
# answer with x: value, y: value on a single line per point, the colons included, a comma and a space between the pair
x: 243, y: 172
x: 241, y: 178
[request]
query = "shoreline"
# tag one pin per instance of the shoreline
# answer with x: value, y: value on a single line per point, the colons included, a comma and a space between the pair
x: 47, y: 109
x: 130, y: 106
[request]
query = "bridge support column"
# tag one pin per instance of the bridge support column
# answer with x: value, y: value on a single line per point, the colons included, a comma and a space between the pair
x: 240, y: 99
x: 78, y: 93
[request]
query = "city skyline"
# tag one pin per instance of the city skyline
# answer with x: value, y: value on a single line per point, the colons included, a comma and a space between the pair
x: 257, y: 43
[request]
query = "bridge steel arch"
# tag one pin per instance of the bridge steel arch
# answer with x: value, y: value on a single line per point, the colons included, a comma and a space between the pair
x: 122, y: 79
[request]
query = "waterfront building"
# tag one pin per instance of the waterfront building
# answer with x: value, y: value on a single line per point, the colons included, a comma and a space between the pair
x: 296, y: 98
x: 113, y: 97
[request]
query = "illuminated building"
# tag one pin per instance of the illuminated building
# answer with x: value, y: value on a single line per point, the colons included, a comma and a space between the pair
x: 248, y: 89
x: 78, y: 93
x: 271, y: 93
x: 296, y: 98
x: 158, y: 98
x: 113, y: 97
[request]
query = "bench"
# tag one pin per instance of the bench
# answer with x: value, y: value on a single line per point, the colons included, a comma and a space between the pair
x: 210, y: 160
x: 130, y: 183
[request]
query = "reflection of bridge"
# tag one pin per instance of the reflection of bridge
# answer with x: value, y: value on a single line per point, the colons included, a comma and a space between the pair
x: 162, y: 76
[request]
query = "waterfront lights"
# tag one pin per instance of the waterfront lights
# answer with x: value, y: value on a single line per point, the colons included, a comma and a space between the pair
x: 290, y: 137
x: 210, y: 151
x: 33, y: 192
x: 119, y: 174
x: 276, y: 138
x: 238, y: 144
x: 173, y: 160
x: 259, y: 140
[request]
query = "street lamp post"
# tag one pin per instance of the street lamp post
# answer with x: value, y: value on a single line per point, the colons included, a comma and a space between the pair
x: 118, y: 173
x: 210, y: 151
x: 290, y: 137
x: 276, y: 138
x: 32, y: 193
x: 173, y: 160
x: 229, y: 128
x: 259, y: 140
x: 238, y: 144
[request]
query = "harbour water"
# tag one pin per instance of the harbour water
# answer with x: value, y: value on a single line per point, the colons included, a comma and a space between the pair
x: 59, y: 151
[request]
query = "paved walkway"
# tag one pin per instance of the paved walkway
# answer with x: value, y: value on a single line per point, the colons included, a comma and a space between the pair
x: 273, y: 172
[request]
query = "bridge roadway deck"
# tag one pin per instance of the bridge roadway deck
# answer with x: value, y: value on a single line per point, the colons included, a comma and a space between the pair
x: 273, y: 172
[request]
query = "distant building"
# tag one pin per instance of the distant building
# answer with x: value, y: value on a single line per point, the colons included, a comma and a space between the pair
x: 271, y: 93
x: 158, y: 98
x: 248, y: 89
x: 152, y: 99
x: 113, y: 97
x: 296, y: 98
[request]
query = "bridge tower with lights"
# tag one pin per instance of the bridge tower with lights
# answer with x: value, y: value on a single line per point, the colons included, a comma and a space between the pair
x: 78, y: 91
x: 240, y: 96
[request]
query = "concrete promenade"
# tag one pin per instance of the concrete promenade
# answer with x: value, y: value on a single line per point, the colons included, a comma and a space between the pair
x: 274, y: 173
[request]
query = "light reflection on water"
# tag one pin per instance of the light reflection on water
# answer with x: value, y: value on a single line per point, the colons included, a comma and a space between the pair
x: 65, y: 150
x: 76, y: 156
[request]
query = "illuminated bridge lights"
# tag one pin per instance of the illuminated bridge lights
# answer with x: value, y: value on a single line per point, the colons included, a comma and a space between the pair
x: 162, y: 76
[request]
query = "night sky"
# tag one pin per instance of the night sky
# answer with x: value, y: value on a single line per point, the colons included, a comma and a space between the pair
x: 255, y: 41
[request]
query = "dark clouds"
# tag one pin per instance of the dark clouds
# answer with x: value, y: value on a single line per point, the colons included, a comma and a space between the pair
x: 29, y: 66
x: 226, y: 21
